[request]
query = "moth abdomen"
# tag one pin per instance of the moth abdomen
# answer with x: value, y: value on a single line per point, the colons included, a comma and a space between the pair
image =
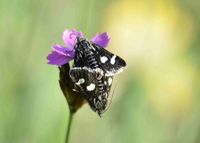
x: 92, y: 62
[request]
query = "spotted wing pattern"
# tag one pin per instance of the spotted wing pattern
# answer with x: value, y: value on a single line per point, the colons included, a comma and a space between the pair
x: 110, y: 63
x: 92, y: 73
x: 94, y: 87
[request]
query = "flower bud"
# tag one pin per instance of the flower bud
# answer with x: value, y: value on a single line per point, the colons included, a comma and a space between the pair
x: 74, y: 99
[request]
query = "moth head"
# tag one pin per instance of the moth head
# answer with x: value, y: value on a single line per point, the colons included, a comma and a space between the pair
x: 80, y: 39
x: 83, y: 43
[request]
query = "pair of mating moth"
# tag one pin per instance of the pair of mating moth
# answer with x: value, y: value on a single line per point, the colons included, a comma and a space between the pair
x: 92, y: 73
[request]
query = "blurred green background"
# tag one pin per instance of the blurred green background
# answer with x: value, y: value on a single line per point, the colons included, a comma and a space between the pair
x: 156, y: 99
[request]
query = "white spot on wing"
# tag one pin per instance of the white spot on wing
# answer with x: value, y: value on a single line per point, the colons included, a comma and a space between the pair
x: 80, y: 81
x: 112, y: 61
x: 91, y: 87
x: 100, y: 97
x: 103, y: 59
x: 109, y: 81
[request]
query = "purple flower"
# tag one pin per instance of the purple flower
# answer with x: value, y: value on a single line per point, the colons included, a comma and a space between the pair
x: 101, y: 39
x: 61, y: 55
x: 69, y: 37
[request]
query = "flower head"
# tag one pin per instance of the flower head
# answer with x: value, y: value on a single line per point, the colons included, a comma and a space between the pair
x: 101, y: 39
x: 61, y: 55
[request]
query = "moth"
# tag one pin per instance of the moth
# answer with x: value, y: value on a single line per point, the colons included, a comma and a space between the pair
x: 93, y: 71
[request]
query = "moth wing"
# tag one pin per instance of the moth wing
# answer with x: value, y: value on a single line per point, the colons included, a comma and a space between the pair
x: 97, y: 100
x: 110, y: 63
x: 84, y: 80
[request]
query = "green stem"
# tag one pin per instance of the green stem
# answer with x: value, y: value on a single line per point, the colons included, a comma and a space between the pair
x: 69, y: 127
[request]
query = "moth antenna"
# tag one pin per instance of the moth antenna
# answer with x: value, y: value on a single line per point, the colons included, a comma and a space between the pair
x: 78, y: 39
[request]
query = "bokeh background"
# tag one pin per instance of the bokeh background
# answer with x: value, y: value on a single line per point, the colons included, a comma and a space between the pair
x: 156, y: 99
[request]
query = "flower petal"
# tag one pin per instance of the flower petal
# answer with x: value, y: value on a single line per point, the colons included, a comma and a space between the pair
x: 70, y: 52
x: 101, y: 39
x: 69, y: 37
x: 59, y: 56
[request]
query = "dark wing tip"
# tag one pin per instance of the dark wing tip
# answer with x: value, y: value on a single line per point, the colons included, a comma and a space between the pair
x: 123, y: 63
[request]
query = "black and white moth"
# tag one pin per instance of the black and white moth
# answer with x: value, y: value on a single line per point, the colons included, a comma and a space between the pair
x: 93, y: 71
